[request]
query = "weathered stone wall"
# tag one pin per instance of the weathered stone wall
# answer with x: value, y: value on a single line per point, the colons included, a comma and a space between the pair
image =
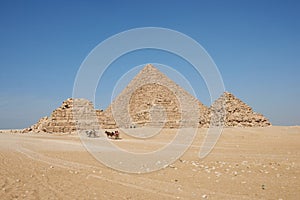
x: 154, y: 105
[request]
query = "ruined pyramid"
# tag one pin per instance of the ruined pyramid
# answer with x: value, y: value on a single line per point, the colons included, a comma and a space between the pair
x: 151, y: 99
x: 64, y: 119
x: 237, y: 113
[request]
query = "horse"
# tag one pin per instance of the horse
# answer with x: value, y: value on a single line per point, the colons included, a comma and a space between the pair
x: 109, y: 134
x: 112, y: 134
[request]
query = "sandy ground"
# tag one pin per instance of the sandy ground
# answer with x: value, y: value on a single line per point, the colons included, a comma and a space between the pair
x: 246, y: 163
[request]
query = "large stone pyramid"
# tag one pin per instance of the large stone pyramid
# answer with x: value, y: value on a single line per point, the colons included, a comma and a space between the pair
x: 237, y: 113
x: 152, y: 99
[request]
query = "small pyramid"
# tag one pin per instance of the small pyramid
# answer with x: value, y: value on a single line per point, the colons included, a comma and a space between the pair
x: 64, y: 119
x: 152, y: 99
x: 237, y: 113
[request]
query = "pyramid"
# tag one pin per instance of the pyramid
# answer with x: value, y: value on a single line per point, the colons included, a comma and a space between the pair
x: 152, y: 99
x: 237, y: 113
x: 65, y: 118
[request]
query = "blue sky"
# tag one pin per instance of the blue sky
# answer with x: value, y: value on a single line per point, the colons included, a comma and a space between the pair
x: 255, y: 44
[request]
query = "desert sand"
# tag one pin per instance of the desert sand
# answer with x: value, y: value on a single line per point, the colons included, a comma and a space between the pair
x: 246, y: 163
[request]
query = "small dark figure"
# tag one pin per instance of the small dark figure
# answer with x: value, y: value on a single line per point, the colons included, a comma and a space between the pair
x: 117, y: 135
x: 91, y: 133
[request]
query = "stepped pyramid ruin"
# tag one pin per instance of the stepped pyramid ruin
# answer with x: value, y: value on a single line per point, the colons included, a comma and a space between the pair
x: 151, y: 99
x: 65, y: 118
x: 238, y: 113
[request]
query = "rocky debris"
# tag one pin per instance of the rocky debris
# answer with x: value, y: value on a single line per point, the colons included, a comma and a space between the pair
x: 11, y: 131
x: 40, y: 126
x: 234, y: 113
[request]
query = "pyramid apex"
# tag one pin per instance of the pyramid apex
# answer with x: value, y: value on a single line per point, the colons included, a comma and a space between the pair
x: 149, y: 70
x: 149, y: 67
x: 228, y: 94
